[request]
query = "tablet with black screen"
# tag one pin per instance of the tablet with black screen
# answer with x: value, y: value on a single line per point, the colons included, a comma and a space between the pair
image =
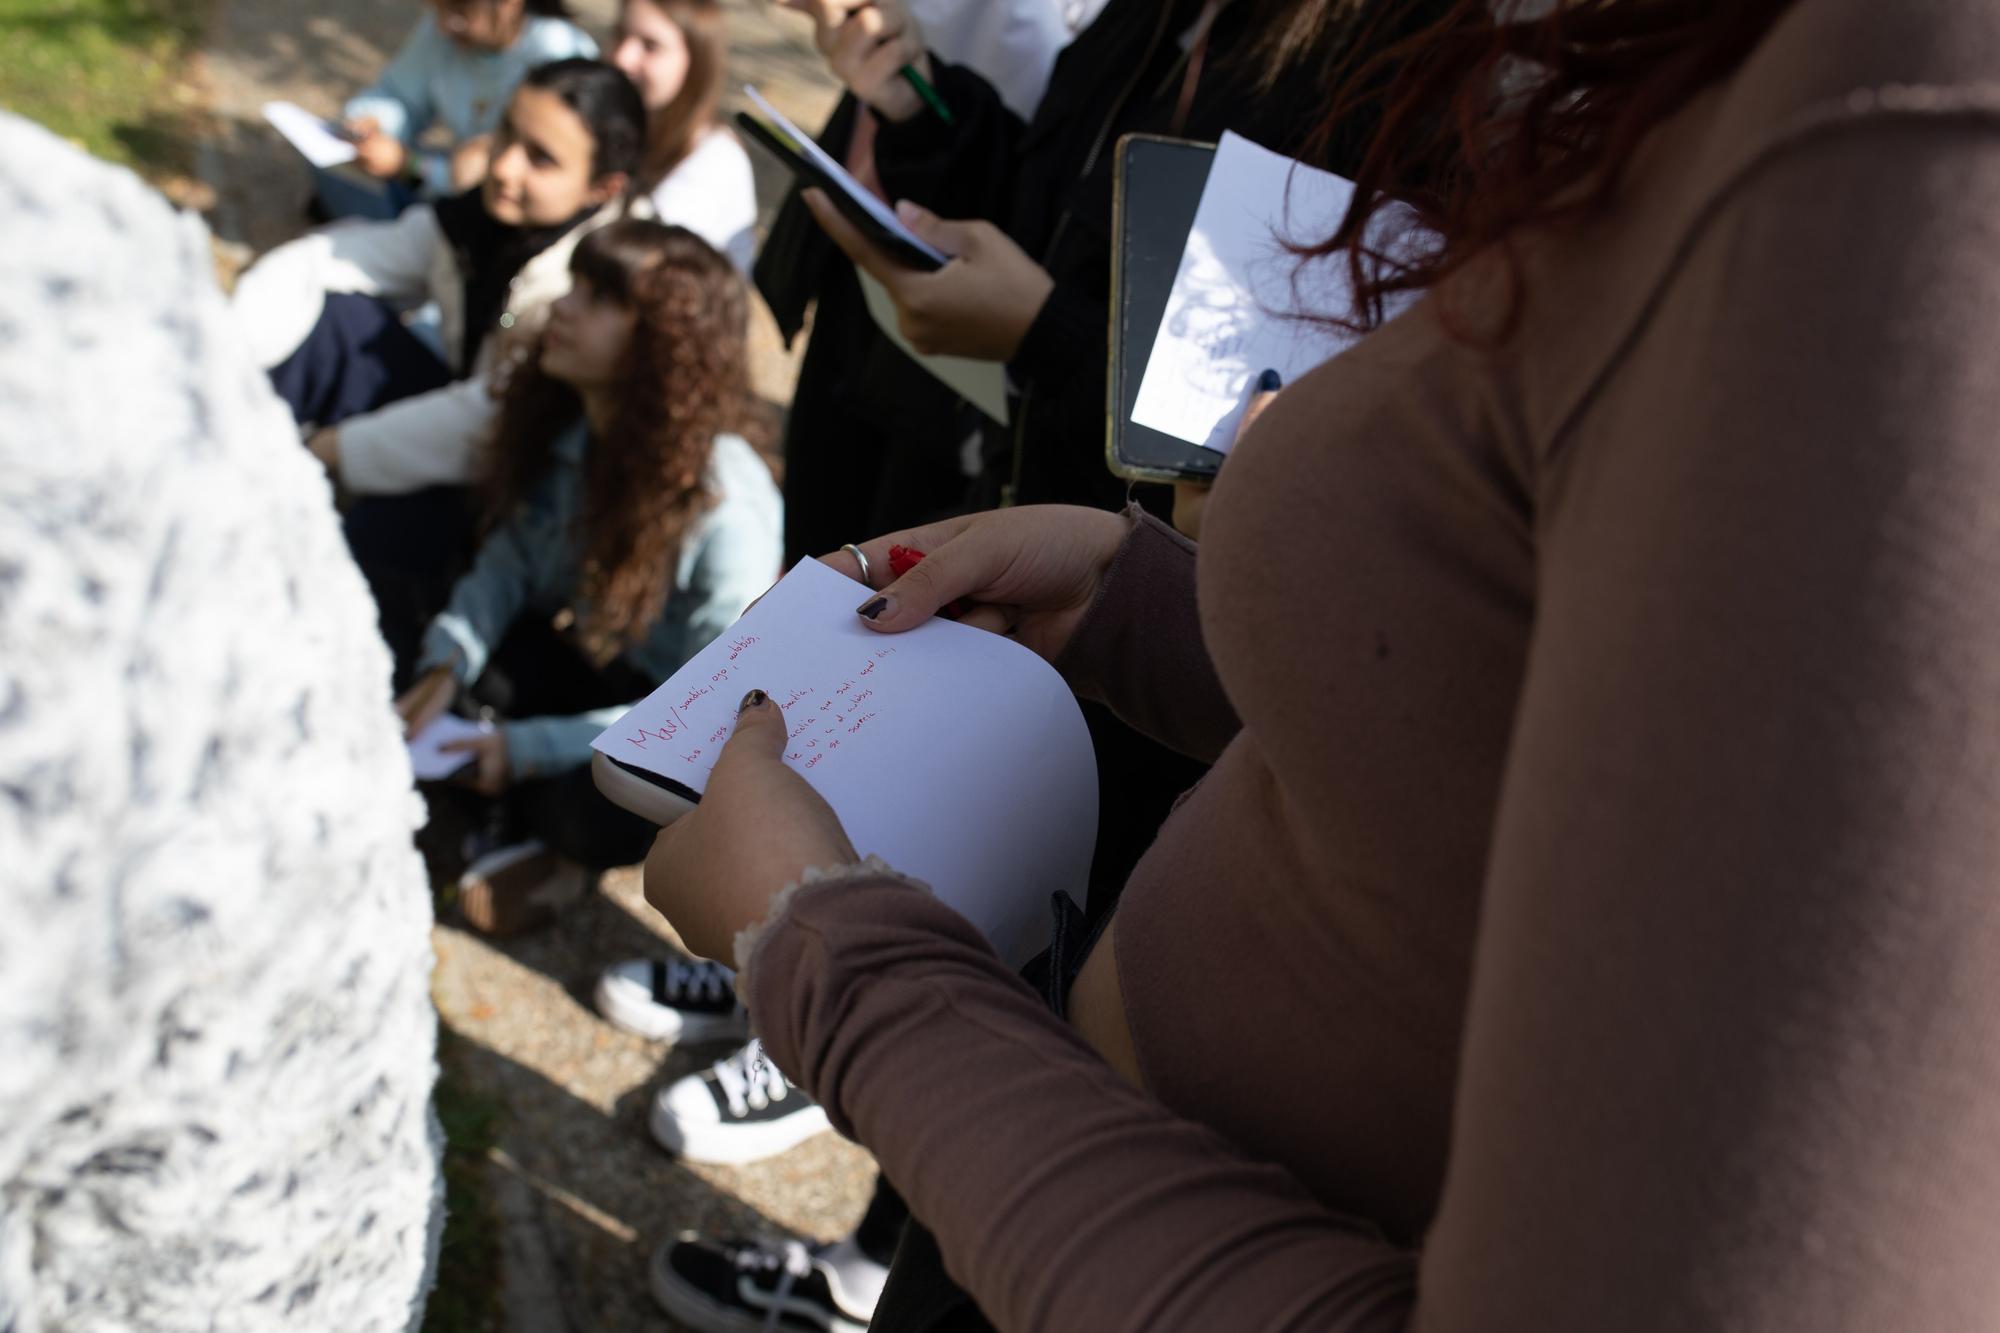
x: 1156, y: 188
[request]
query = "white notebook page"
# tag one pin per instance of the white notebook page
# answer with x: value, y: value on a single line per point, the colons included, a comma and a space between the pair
x: 956, y: 755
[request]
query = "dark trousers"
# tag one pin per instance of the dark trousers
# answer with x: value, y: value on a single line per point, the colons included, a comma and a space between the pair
x: 357, y: 358
x: 340, y: 195
x: 538, y: 672
x: 412, y: 549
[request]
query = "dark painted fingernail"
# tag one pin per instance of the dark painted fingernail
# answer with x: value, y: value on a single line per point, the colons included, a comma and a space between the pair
x: 1270, y: 382
x: 872, y: 608
x: 752, y: 700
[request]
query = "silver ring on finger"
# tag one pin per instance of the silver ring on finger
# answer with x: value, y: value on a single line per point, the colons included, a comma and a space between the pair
x: 861, y: 560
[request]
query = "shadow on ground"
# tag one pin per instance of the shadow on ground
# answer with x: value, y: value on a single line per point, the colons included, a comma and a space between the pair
x: 579, y: 1190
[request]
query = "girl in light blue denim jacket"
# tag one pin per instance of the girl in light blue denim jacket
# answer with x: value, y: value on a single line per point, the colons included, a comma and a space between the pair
x: 629, y: 525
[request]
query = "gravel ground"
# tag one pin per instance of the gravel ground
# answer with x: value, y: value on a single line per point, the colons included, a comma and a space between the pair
x: 581, y: 1192
x: 585, y: 1192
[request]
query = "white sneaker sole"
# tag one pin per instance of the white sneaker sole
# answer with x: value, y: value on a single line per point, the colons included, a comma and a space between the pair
x: 697, y: 1309
x: 733, y: 1145
x: 659, y: 1022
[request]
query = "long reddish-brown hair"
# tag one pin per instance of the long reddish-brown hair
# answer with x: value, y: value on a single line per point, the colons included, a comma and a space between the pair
x: 675, y: 128
x: 684, y: 380
x: 1493, y: 123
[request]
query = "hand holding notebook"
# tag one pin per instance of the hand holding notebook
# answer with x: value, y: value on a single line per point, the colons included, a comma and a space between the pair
x: 955, y: 754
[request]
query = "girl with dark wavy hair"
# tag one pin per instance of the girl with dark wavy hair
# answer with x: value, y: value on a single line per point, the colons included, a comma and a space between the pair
x: 627, y: 524
x: 1588, y: 921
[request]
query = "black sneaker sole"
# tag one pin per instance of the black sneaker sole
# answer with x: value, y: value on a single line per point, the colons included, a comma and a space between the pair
x: 697, y: 1309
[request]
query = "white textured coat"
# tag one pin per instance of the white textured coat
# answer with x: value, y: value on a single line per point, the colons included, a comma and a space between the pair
x: 216, y: 1043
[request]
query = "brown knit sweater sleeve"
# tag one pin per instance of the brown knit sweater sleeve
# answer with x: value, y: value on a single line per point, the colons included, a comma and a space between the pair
x: 1139, y: 649
x: 1733, y: 1057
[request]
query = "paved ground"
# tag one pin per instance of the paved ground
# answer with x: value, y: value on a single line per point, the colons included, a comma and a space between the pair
x: 582, y: 1192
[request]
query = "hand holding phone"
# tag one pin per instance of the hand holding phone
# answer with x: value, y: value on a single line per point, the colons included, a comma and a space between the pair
x: 980, y: 305
x: 377, y: 153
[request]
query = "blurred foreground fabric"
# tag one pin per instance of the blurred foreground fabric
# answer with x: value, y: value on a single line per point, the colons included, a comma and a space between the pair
x: 216, y: 1041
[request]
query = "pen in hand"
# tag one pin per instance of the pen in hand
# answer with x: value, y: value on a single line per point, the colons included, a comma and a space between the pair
x: 833, y: 14
x: 928, y: 93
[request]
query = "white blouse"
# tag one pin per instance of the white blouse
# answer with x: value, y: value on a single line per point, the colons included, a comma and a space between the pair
x: 712, y: 194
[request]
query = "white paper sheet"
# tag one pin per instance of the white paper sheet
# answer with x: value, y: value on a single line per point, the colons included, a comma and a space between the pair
x: 1228, y: 318
x: 428, y: 758
x: 315, y: 138
x: 981, y: 383
x: 804, y: 145
x: 956, y: 755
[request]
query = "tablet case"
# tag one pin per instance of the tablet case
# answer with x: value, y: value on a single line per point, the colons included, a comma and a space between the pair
x: 1156, y: 188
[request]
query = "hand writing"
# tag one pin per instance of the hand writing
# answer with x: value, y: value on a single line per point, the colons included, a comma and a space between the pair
x: 759, y: 827
x: 424, y: 702
x: 979, y: 305
x: 866, y: 43
x: 491, y: 773
x: 1030, y: 571
x: 379, y: 154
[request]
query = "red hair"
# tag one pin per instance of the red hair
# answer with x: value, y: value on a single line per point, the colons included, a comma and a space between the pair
x: 1488, y: 126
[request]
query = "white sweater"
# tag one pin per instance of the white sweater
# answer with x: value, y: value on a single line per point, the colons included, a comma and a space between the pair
x: 712, y: 193
x: 433, y: 438
x: 216, y: 1037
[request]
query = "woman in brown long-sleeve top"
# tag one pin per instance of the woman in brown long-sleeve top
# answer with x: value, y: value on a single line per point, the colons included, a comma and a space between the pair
x: 1595, y: 922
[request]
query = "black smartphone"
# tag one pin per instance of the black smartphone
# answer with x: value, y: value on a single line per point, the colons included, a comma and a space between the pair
x: 809, y: 172
x: 1156, y: 188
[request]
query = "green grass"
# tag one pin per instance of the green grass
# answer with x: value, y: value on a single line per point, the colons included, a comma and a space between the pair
x: 111, y: 75
x: 467, y: 1296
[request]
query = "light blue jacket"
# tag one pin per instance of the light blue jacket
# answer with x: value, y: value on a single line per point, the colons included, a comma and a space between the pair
x: 433, y: 80
x: 529, y: 565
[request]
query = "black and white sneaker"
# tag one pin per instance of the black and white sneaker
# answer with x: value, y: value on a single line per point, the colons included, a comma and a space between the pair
x: 750, y: 1287
x: 740, y: 1110
x: 673, y: 999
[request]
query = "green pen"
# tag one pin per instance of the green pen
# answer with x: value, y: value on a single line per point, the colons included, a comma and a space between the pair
x: 928, y: 93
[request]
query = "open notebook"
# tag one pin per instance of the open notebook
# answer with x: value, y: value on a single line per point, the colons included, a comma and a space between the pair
x: 955, y: 755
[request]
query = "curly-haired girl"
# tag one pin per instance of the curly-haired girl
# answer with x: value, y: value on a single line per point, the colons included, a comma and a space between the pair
x: 627, y: 526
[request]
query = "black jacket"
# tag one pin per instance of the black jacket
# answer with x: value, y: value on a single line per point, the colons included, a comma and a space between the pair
x: 872, y: 441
